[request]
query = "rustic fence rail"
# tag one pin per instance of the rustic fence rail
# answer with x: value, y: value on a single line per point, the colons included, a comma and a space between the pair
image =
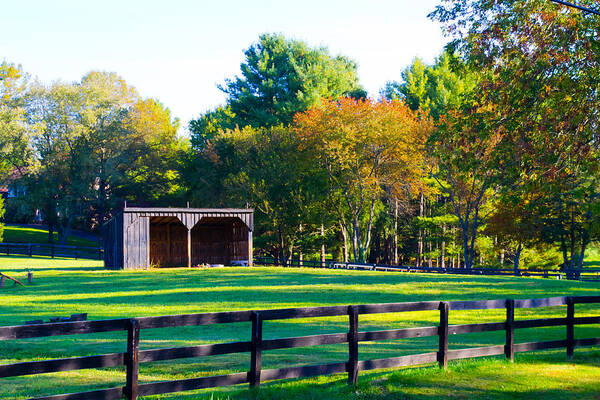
x: 579, y: 274
x: 52, y: 250
x: 133, y: 356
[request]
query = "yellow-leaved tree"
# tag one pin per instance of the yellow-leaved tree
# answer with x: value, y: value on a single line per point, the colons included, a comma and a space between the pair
x: 368, y: 149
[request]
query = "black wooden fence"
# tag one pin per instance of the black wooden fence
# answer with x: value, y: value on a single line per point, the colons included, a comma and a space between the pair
x: 52, y: 250
x: 133, y: 356
x: 579, y: 274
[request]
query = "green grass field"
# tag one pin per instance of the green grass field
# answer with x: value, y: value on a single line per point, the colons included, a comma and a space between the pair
x: 21, y: 234
x: 64, y: 287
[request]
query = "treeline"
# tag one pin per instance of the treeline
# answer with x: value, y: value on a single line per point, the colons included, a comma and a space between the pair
x: 489, y: 156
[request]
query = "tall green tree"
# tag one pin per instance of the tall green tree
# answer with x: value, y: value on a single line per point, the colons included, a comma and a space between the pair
x: 99, y: 143
x: 279, y: 78
x: 434, y: 89
x: 15, y: 133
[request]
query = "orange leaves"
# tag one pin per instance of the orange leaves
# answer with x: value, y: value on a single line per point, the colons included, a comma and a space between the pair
x: 366, y: 143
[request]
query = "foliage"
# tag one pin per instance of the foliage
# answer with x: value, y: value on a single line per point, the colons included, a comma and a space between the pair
x: 538, y: 66
x: 96, y: 143
x: 280, y: 77
x: 2, y: 211
x: 365, y: 147
x: 267, y: 169
x: 15, y: 133
x: 434, y: 89
x: 205, y: 128
x: 468, y: 154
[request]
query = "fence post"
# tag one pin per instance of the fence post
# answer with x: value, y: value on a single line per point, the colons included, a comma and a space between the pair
x: 353, y: 346
x: 509, y: 350
x: 133, y: 346
x: 570, y: 327
x: 99, y: 253
x: 52, y: 250
x: 8, y: 250
x: 76, y: 252
x: 442, y: 355
x: 29, y: 250
x: 256, y: 350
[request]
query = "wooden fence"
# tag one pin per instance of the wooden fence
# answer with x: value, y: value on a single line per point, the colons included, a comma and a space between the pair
x: 133, y: 356
x: 52, y: 250
x: 584, y: 274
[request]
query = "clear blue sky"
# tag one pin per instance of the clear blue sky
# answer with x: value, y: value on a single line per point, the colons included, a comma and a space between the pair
x: 178, y: 51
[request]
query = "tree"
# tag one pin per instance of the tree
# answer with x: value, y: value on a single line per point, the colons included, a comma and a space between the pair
x: 281, y: 77
x: 365, y: 147
x: 515, y: 223
x: 469, y: 156
x: 208, y: 126
x: 434, y: 89
x: 155, y: 153
x: 15, y: 133
x: 539, y: 68
x: 265, y: 168
x: 99, y: 143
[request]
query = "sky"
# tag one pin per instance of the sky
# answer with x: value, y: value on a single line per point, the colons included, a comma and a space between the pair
x: 178, y: 51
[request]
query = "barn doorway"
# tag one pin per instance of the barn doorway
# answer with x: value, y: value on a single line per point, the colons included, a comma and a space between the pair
x: 219, y: 240
x: 168, y: 242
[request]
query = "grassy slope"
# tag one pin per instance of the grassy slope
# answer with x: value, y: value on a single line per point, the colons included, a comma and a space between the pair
x: 18, y: 234
x: 62, y: 287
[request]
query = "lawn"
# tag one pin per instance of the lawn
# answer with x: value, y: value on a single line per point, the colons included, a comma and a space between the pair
x: 64, y: 287
x: 26, y: 234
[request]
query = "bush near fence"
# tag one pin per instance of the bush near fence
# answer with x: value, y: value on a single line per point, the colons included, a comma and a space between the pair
x: 133, y: 356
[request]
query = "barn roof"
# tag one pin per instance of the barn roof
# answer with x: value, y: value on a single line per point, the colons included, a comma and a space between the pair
x: 190, y: 216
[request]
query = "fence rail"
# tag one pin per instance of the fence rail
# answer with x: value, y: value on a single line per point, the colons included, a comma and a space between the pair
x: 52, y: 250
x: 133, y: 356
x: 579, y: 274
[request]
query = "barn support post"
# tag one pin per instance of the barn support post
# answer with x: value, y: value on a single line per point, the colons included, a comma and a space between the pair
x: 189, y: 248
x: 250, y: 249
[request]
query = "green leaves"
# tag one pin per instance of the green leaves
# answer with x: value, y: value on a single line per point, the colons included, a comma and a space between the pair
x: 281, y: 77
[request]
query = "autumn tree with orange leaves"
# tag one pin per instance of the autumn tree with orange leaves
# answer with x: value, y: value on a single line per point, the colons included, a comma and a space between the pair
x: 368, y: 148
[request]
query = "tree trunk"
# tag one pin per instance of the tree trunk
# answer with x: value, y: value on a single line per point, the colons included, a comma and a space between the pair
x: 50, y: 233
x: 563, y: 248
x: 466, y: 255
x: 322, y: 246
x: 443, y: 245
x: 395, y: 242
x: 572, y: 260
x: 281, y: 248
x: 355, y: 238
x: 584, y: 243
x: 420, y: 243
x: 300, y: 254
x: 344, y: 242
x: 517, y: 258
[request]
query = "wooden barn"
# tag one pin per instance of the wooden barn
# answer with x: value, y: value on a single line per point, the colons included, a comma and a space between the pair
x: 137, y: 238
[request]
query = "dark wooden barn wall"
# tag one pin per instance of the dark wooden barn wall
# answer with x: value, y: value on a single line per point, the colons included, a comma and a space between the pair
x: 136, y: 234
x: 112, y: 237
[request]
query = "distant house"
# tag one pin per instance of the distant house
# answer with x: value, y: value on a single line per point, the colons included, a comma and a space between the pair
x: 10, y: 187
x: 139, y: 237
